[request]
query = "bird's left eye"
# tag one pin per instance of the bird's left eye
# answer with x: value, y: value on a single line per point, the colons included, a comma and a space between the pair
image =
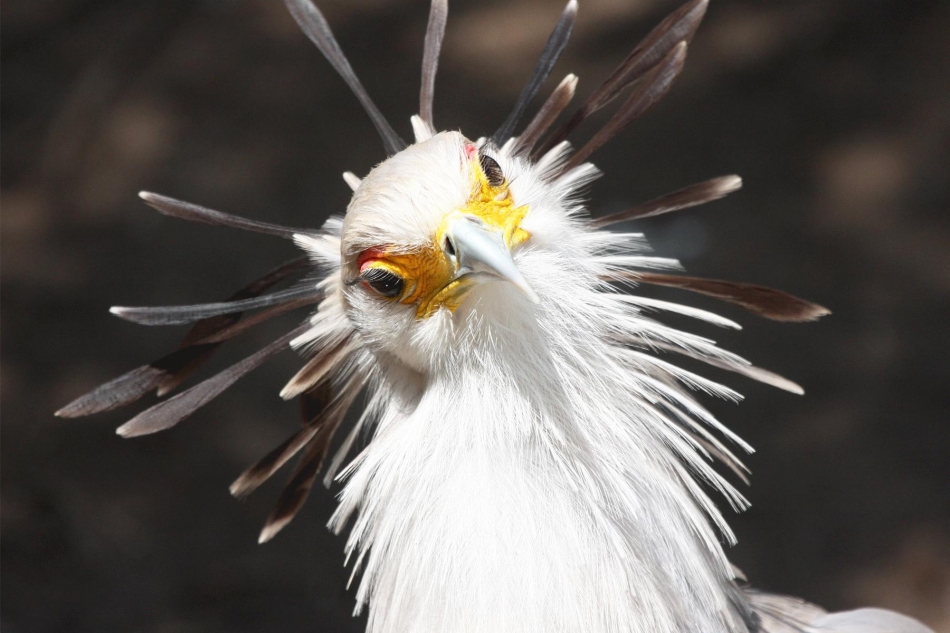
x: 384, y: 282
x: 492, y: 170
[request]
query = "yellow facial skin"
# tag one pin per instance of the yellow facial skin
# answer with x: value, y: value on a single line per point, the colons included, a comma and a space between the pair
x: 429, y: 273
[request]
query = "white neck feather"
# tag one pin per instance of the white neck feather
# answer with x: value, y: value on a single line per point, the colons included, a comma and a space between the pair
x: 529, y: 470
x: 518, y: 491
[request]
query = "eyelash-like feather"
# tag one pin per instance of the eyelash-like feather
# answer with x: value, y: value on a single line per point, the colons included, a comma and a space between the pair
x: 385, y: 282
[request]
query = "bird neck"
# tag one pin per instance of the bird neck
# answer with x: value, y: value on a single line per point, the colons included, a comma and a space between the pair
x: 528, y: 490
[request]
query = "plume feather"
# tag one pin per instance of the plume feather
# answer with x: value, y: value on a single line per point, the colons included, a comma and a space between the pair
x: 256, y: 319
x: 170, y: 370
x: 645, y: 95
x: 264, y: 468
x: 679, y: 26
x: 317, y: 369
x: 168, y: 413
x: 729, y: 363
x: 766, y: 302
x: 120, y: 391
x: 195, y: 213
x: 546, y: 116
x: 691, y: 196
x: 435, y: 32
x: 178, y: 315
x: 315, y: 27
x: 549, y: 56
x: 352, y: 181
x: 301, y: 481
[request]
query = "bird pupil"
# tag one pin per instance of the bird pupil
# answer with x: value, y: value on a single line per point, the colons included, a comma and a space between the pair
x: 492, y: 170
x: 384, y: 282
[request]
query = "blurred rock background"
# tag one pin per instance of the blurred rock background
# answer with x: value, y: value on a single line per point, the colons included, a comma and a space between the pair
x: 835, y: 112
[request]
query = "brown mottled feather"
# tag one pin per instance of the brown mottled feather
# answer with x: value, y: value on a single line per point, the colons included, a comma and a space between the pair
x: 123, y: 390
x: 294, y: 494
x: 264, y: 468
x: 314, y: 401
x: 314, y: 407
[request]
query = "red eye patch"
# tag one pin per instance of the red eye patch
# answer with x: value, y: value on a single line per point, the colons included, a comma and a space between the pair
x: 470, y: 151
x: 369, y: 256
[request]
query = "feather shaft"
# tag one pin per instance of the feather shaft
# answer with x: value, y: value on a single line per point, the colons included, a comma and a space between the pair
x: 207, y: 328
x: 256, y: 319
x: 167, y: 372
x: 737, y: 365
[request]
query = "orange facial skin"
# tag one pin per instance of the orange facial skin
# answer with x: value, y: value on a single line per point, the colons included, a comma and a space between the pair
x: 429, y: 273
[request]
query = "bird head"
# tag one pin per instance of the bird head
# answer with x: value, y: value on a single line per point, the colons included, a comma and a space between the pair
x: 432, y: 234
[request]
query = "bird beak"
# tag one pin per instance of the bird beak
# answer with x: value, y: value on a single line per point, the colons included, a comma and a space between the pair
x: 481, y: 253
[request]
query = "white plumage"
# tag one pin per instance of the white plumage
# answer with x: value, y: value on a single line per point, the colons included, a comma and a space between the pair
x: 517, y: 455
x: 529, y: 462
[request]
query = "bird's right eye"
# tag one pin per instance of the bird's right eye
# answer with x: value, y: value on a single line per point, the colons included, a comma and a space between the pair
x: 383, y: 282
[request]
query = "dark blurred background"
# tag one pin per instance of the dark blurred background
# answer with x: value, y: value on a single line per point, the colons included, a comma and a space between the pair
x: 835, y: 112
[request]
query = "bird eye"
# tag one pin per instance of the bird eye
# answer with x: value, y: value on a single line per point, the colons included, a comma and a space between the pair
x: 492, y: 170
x: 384, y: 282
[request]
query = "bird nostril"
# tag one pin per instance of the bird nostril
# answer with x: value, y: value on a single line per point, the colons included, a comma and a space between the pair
x: 449, y: 247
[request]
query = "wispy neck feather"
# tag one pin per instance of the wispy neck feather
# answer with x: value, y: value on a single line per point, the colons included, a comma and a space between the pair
x: 537, y: 482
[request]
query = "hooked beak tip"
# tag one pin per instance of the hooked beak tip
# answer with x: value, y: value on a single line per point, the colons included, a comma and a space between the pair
x: 481, y: 249
x: 528, y: 292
